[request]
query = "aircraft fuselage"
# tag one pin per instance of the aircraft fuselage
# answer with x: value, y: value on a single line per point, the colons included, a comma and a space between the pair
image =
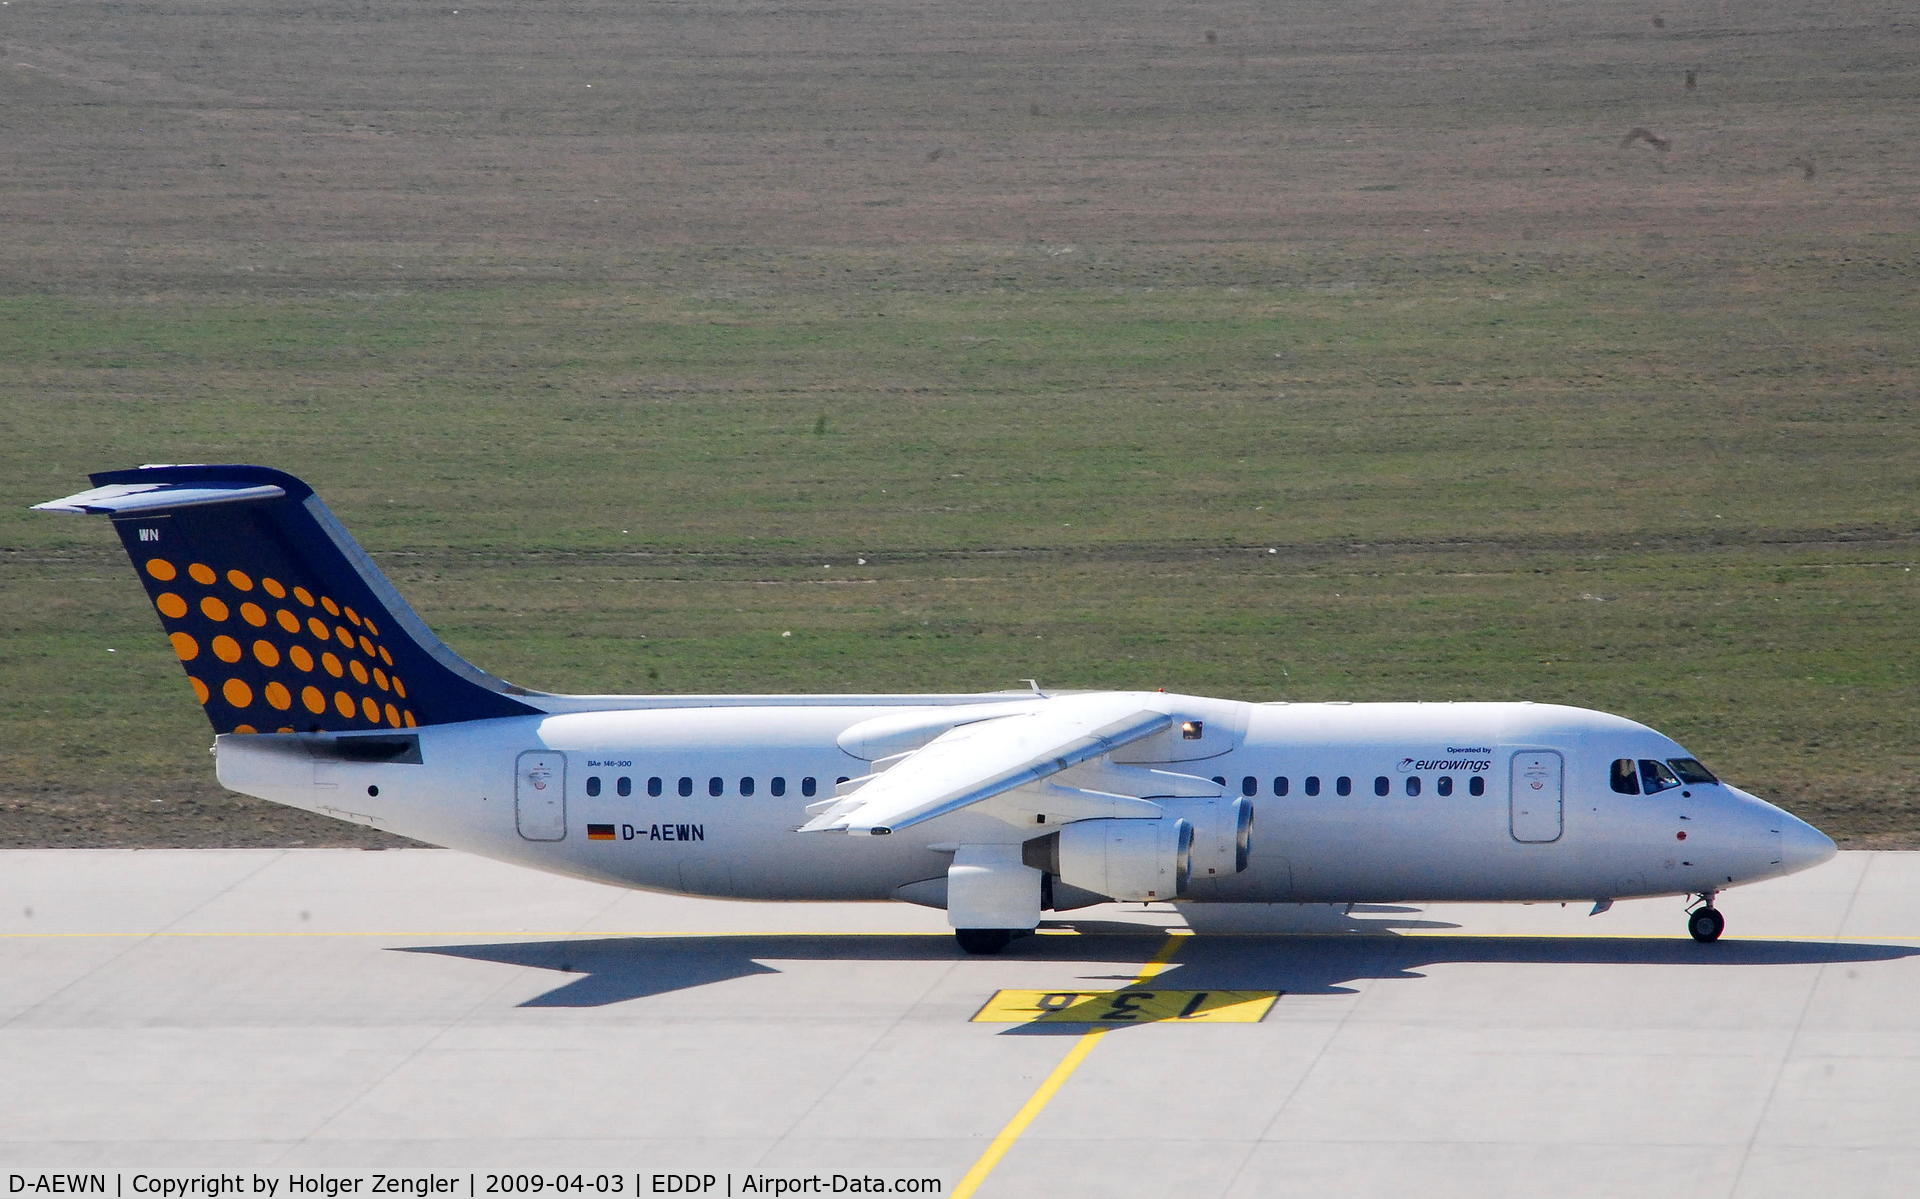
x: 1353, y: 802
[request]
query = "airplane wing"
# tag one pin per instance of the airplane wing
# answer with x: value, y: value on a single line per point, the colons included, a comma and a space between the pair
x: 980, y: 760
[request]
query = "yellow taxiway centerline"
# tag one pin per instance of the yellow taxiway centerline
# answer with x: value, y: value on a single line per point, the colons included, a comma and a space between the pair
x: 1037, y: 1102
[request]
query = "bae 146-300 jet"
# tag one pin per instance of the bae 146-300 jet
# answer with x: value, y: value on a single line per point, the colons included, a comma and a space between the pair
x: 327, y: 692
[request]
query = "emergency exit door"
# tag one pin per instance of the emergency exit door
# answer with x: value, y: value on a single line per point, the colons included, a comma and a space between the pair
x: 1535, y: 796
x: 540, y: 795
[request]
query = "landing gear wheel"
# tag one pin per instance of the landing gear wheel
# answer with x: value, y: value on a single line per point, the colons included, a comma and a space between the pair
x: 1706, y: 924
x: 983, y: 940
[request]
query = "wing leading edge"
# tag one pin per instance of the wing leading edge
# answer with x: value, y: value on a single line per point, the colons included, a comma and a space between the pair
x: 983, y: 759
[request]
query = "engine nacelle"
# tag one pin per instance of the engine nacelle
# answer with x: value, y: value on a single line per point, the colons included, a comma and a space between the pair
x: 1222, y: 832
x: 1127, y: 859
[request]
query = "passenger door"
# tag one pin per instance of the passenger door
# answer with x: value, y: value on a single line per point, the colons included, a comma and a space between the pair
x: 1535, y: 795
x: 540, y: 795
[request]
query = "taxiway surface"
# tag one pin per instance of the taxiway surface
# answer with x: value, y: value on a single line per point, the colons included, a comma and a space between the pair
x: 265, y: 1010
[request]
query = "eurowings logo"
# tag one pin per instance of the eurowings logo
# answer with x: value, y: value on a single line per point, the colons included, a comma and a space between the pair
x: 1467, y: 765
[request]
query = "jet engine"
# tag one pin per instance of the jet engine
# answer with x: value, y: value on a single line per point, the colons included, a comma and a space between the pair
x: 1222, y: 833
x: 1126, y: 859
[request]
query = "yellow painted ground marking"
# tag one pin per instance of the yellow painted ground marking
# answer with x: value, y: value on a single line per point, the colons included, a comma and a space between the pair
x: 1132, y: 1005
x: 1037, y: 1102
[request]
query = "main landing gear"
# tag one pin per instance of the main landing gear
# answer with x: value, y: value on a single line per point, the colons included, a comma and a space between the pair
x: 1705, y: 922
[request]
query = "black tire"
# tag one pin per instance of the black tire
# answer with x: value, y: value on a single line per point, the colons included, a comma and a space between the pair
x: 1706, y: 924
x: 983, y: 940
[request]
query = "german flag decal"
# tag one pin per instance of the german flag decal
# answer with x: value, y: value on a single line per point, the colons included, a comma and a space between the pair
x: 599, y: 832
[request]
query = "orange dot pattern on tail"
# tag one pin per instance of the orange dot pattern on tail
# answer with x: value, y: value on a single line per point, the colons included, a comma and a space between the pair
x: 271, y: 670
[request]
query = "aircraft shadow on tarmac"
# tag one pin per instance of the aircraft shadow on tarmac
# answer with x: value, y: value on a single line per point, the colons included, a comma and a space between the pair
x: 1322, y: 961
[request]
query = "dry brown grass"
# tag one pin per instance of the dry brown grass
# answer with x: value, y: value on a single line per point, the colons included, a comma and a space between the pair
x: 198, y: 145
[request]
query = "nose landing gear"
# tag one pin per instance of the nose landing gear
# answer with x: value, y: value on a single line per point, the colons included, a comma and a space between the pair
x: 1705, y: 923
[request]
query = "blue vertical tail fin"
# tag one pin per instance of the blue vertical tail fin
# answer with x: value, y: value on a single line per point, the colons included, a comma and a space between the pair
x: 281, y: 620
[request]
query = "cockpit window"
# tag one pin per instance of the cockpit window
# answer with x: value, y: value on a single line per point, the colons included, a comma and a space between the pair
x: 1655, y: 776
x: 1691, y: 771
x: 1625, y: 776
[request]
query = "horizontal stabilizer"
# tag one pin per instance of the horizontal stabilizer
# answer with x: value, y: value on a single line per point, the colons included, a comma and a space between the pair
x: 122, y: 498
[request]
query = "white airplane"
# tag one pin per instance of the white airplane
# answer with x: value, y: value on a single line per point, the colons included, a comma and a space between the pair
x: 328, y: 693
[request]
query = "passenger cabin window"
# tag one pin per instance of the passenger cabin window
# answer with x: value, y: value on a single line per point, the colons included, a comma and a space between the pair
x: 1312, y: 785
x: 1413, y: 784
x: 1443, y: 785
x: 1380, y: 785
x: 654, y: 787
x: 686, y: 786
x: 777, y: 785
x: 623, y: 786
x: 1477, y: 785
x: 1249, y: 786
x: 1343, y: 785
x: 593, y: 784
x: 1625, y: 776
x: 1280, y: 786
x: 746, y: 786
x: 1656, y: 777
x: 808, y: 786
x: 715, y: 786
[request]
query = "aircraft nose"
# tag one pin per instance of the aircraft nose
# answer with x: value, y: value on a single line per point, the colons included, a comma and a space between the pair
x: 1802, y: 845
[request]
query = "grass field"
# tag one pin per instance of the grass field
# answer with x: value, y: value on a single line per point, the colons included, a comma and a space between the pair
x: 1320, y: 351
